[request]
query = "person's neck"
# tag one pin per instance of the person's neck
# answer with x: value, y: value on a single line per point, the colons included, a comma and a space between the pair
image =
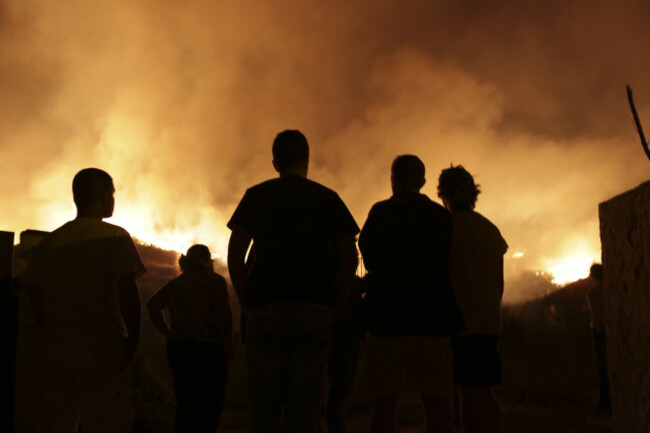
x: 406, y: 191
x: 294, y: 171
x: 90, y: 214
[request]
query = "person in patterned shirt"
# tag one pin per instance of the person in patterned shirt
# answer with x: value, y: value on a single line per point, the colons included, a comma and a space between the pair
x: 199, y: 339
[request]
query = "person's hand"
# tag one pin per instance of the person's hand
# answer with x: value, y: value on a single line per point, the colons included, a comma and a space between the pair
x: 130, y: 346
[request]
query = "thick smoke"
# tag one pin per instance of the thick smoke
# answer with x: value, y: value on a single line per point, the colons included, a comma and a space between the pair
x: 180, y: 101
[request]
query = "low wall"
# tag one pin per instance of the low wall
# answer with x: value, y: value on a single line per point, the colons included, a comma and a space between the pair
x: 625, y: 238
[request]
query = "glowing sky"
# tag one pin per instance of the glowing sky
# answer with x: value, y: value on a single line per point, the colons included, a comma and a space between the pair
x: 180, y: 101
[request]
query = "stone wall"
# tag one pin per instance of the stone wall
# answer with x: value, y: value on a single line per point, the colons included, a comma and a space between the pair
x: 8, y: 332
x: 625, y: 238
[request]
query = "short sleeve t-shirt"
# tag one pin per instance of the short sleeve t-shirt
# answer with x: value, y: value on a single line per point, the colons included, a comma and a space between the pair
x: 294, y: 223
x: 76, y: 269
x: 193, y: 300
x: 406, y: 243
x: 477, y: 271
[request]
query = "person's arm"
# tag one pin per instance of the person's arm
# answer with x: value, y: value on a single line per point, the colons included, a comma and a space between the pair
x: 224, y: 317
x: 347, y: 267
x: 155, y: 307
x: 504, y: 247
x: 369, y: 244
x: 501, y: 278
x: 240, y: 240
x: 129, y: 303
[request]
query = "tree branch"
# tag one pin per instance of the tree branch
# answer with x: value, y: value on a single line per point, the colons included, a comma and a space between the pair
x: 637, y: 122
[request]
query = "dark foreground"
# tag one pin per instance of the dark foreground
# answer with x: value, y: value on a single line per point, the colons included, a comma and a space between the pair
x: 517, y: 419
x: 550, y: 376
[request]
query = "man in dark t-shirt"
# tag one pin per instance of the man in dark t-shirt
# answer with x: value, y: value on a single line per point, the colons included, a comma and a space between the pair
x: 305, y: 259
x: 410, y: 308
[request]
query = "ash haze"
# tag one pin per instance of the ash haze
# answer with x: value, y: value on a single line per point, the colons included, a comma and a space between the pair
x: 180, y: 101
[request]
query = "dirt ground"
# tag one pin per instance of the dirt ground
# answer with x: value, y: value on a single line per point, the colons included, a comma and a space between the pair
x: 517, y: 418
x: 549, y: 383
x: 537, y: 412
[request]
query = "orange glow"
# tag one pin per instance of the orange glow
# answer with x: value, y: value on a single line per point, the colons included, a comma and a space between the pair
x: 180, y: 105
x: 573, y: 264
x: 178, y: 238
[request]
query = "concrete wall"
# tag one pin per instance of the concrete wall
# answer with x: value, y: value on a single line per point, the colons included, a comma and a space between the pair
x: 625, y: 237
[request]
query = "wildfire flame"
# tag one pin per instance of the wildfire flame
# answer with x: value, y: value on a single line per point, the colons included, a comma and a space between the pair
x: 573, y: 265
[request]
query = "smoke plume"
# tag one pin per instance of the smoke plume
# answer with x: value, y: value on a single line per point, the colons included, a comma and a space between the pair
x: 180, y: 101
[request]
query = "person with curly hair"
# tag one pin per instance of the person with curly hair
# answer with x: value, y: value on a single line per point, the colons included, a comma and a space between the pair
x: 476, y: 267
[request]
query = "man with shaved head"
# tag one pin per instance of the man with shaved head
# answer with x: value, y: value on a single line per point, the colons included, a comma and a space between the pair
x: 86, y: 302
x: 409, y: 308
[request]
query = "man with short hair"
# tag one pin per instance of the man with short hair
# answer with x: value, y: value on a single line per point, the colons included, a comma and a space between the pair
x: 86, y: 302
x: 476, y: 268
x: 409, y: 308
x: 305, y: 259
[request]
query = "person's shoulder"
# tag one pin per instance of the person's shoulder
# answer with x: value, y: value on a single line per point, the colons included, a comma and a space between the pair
x: 434, y: 206
x: 114, y: 229
x: 218, y: 278
x: 58, y: 232
x: 382, y: 205
x: 173, y: 282
x: 83, y: 229
x: 319, y: 193
x: 319, y: 188
x: 108, y: 230
x: 484, y: 221
x: 267, y: 184
x: 50, y: 240
x: 412, y: 201
x: 260, y: 190
x: 218, y: 283
x: 483, y: 224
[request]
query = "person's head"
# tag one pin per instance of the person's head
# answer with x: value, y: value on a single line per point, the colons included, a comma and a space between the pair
x: 291, y: 152
x: 407, y: 173
x: 457, y: 189
x: 596, y: 272
x: 93, y: 193
x: 198, y: 257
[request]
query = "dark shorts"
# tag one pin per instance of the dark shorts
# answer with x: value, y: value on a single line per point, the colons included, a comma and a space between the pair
x: 476, y: 360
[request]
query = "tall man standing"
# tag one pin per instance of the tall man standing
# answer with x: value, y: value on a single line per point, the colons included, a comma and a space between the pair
x: 477, y: 274
x: 85, y: 299
x: 305, y: 259
x: 409, y: 308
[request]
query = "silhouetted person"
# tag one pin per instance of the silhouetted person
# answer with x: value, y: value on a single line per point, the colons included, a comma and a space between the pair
x: 596, y: 303
x: 409, y: 307
x: 305, y: 259
x: 477, y: 275
x: 347, y: 336
x: 199, y: 339
x: 86, y: 302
